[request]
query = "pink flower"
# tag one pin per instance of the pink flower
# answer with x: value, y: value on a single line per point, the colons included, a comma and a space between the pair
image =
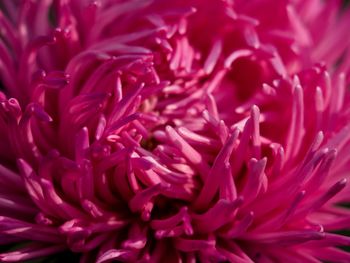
x: 174, y: 131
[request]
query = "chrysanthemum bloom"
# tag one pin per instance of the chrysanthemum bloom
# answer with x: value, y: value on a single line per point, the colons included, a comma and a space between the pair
x: 174, y: 131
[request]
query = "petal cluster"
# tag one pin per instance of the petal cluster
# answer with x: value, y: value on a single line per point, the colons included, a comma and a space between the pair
x: 174, y: 131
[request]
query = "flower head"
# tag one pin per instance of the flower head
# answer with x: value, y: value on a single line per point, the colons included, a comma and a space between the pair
x: 149, y: 131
